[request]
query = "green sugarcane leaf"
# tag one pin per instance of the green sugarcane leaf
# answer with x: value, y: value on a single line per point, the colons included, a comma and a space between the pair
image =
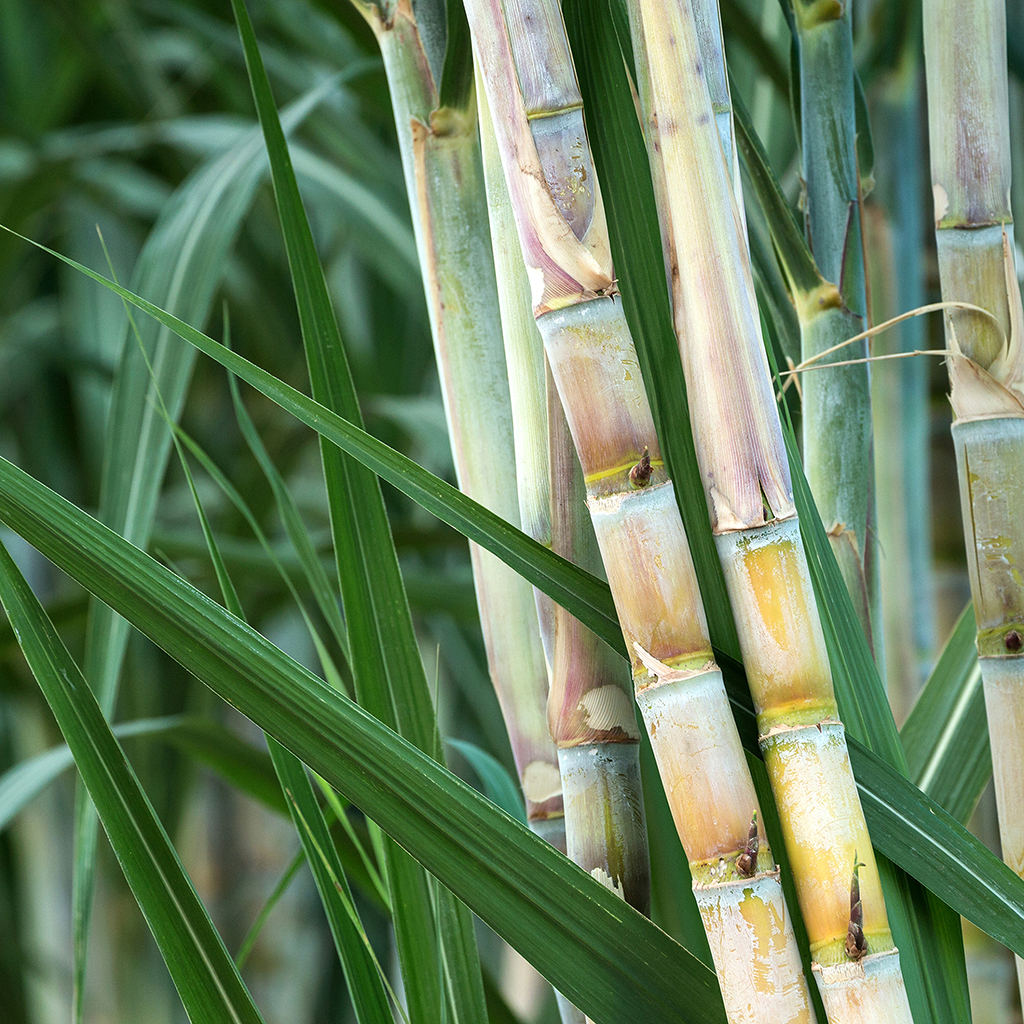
x: 389, y: 676
x: 22, y: 783
x: 218, y: 748
x: 772, y: 291
x: 739, y: 24
x: 865, y: 141
x: 203, y: 973
x: 946, y: 735
x: 498, y: 1010
x: 181, y: 263
x: 211, y: 744
x: 210, y: 543
x: 272, y: 900
x: 316, y: 575
x: 499, y: 786
x: 590, y: 944
x: 599, y: 36
x: 576, y: 590
x: 457, y: 74
x: 362, y: 972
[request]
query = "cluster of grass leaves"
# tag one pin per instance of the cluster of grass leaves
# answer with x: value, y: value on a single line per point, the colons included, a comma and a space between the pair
x: 273, y: 522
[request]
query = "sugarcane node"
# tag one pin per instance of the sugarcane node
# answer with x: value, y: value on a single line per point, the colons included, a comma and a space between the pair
x: 1013, y: 641
x: 640, y: 474
x: 746, y: 862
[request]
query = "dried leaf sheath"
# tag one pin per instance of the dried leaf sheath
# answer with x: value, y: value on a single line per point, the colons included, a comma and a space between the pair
x: 561, y: 267
x: 742, y: 458
x: 648, y: 563
x: 759, y: 543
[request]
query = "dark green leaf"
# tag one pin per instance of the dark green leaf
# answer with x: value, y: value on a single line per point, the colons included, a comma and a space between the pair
x: 203, y: 973
x: 499, y: 786
x: 788, y: 239
x: 584, y: 939
x: 576, y: 590
x: 457, y: 74
x: 946, y: 735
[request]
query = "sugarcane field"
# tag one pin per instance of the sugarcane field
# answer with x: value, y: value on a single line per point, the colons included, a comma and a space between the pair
x: 511, y: 512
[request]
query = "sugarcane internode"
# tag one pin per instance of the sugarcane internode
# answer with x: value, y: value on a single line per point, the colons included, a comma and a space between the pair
x: 856, y: 943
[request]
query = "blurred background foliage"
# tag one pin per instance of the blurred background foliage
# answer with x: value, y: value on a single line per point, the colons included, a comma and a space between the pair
x: 126, y: 117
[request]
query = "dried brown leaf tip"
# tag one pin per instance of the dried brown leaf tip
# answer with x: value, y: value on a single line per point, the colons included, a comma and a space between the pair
x: 746, y: 862
x: 856, y: 944
x: 640, y: 474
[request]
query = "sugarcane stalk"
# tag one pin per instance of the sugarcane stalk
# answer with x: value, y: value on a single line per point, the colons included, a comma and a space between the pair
x: 525, y: 363
x: 836, y: 408
x: 589, y: 704
x: 743, y: 464
x: 545, y: 155
x: 444, y: 178
x: 968, y: 124
x: 900, y: 387
x: 712, y: 52
x: 604, y: 819
x: 590, y: 708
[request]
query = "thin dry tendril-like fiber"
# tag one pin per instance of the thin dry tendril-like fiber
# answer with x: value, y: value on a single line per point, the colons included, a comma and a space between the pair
x: 813, y: 364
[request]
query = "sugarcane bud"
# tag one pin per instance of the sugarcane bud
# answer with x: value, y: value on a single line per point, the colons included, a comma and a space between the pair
x: 640, y: 474
x: 856, y: 944
x: 746, y: 862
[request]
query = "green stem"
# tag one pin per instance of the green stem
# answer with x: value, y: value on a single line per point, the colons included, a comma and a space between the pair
x: 900, y: 387
x: 837, y: 437
x: 444, y: 175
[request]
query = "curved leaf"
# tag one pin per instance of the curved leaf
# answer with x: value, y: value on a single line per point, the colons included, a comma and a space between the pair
x: 576, y: 590
x: 590, y: 944
x: 205, y: 976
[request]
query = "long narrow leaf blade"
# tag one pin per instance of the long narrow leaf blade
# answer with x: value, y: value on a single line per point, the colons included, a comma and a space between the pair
x: 204, y: 974
x: 946, y: 735
x: 576, y: 590
x: 589, y: 943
